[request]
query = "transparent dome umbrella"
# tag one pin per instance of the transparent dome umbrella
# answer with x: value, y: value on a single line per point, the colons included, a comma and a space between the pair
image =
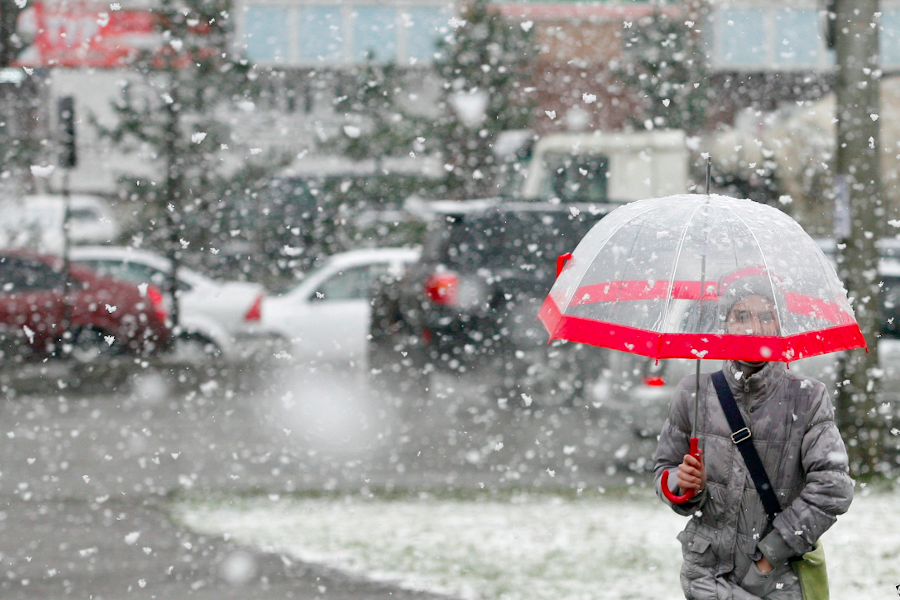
x: 658, y: 278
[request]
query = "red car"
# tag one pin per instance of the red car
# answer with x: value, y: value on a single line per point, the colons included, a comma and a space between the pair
x: 98, y: 316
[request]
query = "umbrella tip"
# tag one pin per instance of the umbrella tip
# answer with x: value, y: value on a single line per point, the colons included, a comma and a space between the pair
x: 708, y: 172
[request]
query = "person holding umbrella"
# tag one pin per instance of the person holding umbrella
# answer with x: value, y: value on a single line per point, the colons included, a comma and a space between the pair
x: 734, y: 547
x: 751, y: 452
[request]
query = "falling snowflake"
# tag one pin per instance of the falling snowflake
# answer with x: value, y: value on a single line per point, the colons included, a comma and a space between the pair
x: 43, y: 171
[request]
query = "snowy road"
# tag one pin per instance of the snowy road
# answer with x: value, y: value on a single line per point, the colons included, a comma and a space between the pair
x: 86, y: 474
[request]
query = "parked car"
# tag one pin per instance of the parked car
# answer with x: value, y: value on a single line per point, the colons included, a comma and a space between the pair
x: 470, y: 303
x: 98, y: 316
x: 325, y: 318
x: 35, y: 222
x: 216, y: 319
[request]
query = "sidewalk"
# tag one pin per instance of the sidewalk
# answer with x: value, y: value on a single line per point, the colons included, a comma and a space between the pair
x: 114, y: 551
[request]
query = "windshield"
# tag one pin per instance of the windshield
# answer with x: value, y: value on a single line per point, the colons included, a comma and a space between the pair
x: 506, y: 239
x: 573, y: 178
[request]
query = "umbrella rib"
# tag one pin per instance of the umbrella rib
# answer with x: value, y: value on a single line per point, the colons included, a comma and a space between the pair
x: 669, y: 293
x: 612, y: 235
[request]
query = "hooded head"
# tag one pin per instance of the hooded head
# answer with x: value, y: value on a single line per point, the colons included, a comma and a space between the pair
x: 749, y: 300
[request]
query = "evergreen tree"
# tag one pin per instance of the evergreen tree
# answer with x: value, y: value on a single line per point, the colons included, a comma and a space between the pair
x: 176, y: 112
x: 487, y: 59
x: 314, y: 215
x: 663, y: 64
x: 377, y: 123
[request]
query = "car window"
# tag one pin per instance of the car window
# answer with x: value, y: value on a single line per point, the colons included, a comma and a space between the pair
x: 132, y: 272
x: 576, y: 178
x: 505, y: 239
x: 350, y: 284
x: 18, y: 275
x: 85, y: 214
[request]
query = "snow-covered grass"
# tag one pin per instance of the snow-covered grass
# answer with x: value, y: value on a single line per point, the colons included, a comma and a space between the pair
x: 616, y: 545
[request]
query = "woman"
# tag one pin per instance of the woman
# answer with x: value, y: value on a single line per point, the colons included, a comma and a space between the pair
x: 731, y: 550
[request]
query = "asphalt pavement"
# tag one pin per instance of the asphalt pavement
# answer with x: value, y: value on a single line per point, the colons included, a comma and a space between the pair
x: 90, y: 461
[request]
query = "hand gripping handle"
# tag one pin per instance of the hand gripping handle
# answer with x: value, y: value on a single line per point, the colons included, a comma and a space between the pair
x: 695, y: 452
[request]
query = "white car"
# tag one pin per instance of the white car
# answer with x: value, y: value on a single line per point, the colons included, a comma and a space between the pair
x: 36, y: 221
x: 219, y: 319
x: 326, y: 317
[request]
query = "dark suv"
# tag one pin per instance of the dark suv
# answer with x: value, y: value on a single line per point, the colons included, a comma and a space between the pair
x: 470, y: 303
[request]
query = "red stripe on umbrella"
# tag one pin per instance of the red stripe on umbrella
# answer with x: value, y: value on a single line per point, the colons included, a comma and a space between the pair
x: 632, y: 291
x: 697, y: 345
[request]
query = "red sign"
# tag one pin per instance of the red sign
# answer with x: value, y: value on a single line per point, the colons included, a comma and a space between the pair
x: 85, y: 34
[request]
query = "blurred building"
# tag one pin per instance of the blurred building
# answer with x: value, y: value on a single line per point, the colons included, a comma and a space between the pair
x: 757, y: 54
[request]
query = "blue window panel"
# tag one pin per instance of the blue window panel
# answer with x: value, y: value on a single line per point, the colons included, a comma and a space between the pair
x: 742, y: 37
x: 375, y: 33
x: 797, y: 38
x: 266, y: 33
x: 425, y: 25
x: 320, y: 34
x: 889, y: 40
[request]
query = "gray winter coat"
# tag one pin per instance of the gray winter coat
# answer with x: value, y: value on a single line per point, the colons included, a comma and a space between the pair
x: 792, y: 423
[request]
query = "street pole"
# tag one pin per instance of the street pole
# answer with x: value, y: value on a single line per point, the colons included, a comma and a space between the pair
x: 859, y: 213
x: 173, y: 196
x: 68, y: 160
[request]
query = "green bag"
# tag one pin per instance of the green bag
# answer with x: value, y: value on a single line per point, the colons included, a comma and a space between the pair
x: 812, y: 574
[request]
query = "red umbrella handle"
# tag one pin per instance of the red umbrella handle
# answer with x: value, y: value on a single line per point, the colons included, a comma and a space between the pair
x: 695, y: 452
x: 561, y: 262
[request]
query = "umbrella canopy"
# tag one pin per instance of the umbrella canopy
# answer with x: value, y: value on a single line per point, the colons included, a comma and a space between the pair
x: 658, y: 278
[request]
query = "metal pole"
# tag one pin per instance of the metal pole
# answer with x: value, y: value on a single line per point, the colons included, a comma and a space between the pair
x: 67, y: 276
x: 700, y: 309
x: 858, y: 194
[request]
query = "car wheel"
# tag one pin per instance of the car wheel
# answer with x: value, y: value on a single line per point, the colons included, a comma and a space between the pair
x: 91, y: 346
x: 397, y: 372
x: 547, y: 376
x: 195, y: 349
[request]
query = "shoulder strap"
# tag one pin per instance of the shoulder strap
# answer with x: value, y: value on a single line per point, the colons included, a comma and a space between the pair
x: 742, y: 439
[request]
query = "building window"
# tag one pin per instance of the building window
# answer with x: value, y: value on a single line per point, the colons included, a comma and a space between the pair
x: 424, y: 27
x: 266, y: 33
x: 374, y: 34
x: 797, y: 37
x: 742, y: 36
x: 754, y: 37
x: 333, y: 34
x: 320, y: 34
x: 889, y: 40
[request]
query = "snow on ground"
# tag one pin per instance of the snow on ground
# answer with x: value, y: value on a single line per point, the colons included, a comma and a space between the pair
x: 615, y: 546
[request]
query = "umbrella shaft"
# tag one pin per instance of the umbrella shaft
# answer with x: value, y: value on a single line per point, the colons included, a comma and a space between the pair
x: 696, y: 402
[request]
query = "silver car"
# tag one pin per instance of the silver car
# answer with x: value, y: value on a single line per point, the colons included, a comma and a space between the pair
x: 217, y: 320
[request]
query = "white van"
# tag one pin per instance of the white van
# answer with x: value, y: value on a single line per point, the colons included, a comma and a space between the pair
x: 601, y: 166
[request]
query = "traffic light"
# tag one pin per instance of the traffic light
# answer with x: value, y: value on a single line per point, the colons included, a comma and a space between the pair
x: 66, y: 110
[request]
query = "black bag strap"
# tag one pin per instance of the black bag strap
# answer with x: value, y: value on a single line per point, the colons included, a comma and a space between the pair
x: 741, y: 437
